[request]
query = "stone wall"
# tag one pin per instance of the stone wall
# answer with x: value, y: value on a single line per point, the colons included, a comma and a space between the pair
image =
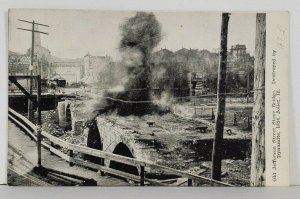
x: 73, y: 123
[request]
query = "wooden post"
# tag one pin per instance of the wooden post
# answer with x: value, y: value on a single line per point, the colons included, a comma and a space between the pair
x: 142, y: 176
x: 39, y: 120
x: 195, y: 108
x: 71, y: 154
x: 258, y: 115
x: 102, y: 163
x: 234, y: 119
x: 248, y: 87
x: 32, y: 30
x: 190, y: 182
x: 221, y: 99
x: 52, y: 145
x: 30, y: 106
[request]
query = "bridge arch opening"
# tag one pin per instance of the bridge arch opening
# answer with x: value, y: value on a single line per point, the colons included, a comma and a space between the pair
x: 68, y: 117
x: 123, y: 150
x: 94, y: 141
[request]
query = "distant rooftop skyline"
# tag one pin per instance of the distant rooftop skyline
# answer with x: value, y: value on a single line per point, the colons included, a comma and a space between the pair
x: 74, y: 33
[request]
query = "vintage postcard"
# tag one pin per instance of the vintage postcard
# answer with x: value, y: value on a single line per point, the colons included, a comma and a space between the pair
x: 147, y: 98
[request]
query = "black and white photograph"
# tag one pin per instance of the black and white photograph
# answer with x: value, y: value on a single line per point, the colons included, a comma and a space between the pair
x: 139, y: 98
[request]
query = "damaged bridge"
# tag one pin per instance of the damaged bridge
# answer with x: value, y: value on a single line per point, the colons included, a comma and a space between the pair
x: 165, y: 139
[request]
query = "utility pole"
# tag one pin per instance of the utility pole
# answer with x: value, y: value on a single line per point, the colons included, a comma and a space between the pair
x: 39, y: 121
x: 221, y: 100
x: 39, y: 90
x: 32, y: 30
x: 257, y: 177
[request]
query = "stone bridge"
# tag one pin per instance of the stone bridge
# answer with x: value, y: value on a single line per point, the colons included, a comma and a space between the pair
x: 167, y: 139
x: 104, y: 134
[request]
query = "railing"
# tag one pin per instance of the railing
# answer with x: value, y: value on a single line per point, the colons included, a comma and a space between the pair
x: 29, y: 128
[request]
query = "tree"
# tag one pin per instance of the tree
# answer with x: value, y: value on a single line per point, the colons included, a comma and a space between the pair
x: 221, y: 100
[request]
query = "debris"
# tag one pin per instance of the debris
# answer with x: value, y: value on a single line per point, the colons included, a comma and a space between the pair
x: 150, y: 123
x: 189, y: 160
x: 229, y: 132
x: 202, y: 129
x: 194, y: 141
x: 152, y: 134
x: 228, y: 161
x: 223, y: 174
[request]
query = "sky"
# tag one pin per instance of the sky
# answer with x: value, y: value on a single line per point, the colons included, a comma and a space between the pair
x: 74, y: 33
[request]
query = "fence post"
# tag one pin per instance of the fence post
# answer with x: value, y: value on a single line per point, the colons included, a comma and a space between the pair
x: 52, y: 145
x: 102, y: 164
x: 234, y: 120
x: 142, y: 176
x: 212, y: 114
x: 190, y: 182
x: 71, y: 154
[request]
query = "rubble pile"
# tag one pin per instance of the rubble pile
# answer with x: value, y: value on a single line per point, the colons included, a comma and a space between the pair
x: 50, y: 123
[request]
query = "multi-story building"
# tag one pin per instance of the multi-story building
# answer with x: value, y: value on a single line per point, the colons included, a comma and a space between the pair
x: 92, y: 67
x: 70, y: 70
x: 239, y: 59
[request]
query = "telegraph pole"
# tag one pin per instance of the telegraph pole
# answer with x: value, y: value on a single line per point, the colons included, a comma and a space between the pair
x: 258, y: 167
x: 221, y: 100
x: 39, y: 90
x: 33, y: 31
x: 30, y: 106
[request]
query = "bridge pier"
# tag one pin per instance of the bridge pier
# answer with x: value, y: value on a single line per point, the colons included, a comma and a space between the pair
x: 66, y: 117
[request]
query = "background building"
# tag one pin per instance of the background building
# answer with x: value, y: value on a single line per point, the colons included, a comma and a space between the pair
x: 93, y: 65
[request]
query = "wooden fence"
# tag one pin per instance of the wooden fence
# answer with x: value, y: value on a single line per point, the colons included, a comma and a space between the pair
x: 30, y: 129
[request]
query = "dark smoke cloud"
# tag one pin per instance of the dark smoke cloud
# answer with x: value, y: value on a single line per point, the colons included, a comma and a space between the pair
x: 140, y: 34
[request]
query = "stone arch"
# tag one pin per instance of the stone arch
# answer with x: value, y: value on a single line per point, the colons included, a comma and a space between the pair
x: 123, y: 150
x: 94, y: 141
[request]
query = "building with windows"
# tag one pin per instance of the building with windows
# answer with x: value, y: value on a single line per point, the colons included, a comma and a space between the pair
x: 239, y: 59
x: 92, y: 67
x: 69, y: 69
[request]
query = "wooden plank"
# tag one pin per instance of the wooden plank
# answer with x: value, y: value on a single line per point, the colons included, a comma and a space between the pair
x: 155, y: 182
x: 24, y: 127
x: 60, y: 154
x: 18, y: 115
x: 56, y: 140
x: 180, y: 181
x: 106, y: 169
x: 137, y: 163
x: 185, y: 174
x: 24, y: 91
x: 24, y: 76
x: 106, y: 155
x: 46, y: 145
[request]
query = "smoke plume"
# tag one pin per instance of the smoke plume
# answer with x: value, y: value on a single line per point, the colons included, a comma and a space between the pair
x: 140, y: 34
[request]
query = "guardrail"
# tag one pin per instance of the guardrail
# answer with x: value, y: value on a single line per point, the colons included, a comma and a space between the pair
x: 30, y: 128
